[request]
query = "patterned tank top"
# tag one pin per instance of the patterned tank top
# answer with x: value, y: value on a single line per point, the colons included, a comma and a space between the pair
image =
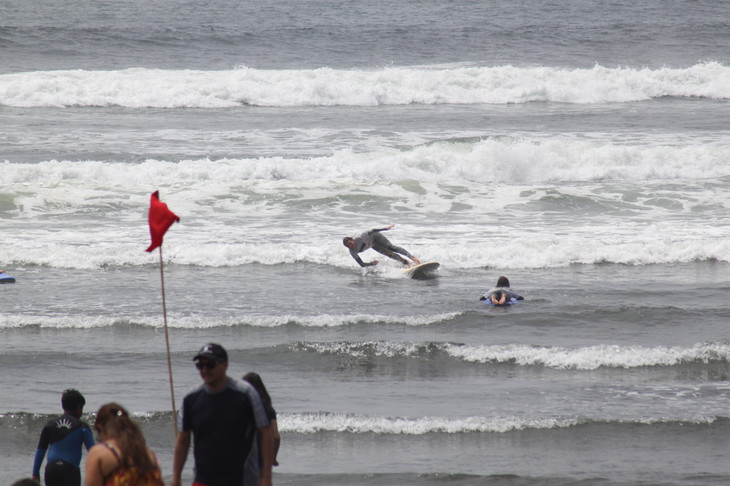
x: 131, y: 476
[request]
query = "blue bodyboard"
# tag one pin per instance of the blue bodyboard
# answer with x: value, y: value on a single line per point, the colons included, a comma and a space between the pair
x: 509, y: 302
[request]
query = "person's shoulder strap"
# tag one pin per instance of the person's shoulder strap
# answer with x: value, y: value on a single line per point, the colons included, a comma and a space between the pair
x: 114, y: 451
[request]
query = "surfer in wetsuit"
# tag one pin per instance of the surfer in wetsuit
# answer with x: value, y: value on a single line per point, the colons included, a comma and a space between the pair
x: 63, y: 437
x: 502, y: 293
x: 375, y: 240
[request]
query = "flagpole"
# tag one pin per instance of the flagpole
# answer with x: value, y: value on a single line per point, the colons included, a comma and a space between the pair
x: 167, y: 342
x: 160, y: 219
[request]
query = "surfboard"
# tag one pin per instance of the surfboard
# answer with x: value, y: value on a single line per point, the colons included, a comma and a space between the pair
x: 512, y: 300
x: 5, y: 278
x: 424, y: 270
x: 509, y: 302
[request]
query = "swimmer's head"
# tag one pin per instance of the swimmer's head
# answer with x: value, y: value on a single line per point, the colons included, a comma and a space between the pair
x: 73, y: 401
x: 349, y: 242
x: 503, y: 282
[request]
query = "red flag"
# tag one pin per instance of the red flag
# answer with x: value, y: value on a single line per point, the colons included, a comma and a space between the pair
x: 160, y: 218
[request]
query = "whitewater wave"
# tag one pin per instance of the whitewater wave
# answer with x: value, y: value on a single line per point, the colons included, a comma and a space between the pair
x: 474, y: 161
x: 145, y: 88
x: 204, y: 322
x: 309, y: 423
x: 101, y: 251
x: 546, y: 199
x: 581, y: 358
x: 317, y: 422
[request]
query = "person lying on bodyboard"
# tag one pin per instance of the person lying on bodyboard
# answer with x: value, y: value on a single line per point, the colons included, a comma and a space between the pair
x: 502, y: 294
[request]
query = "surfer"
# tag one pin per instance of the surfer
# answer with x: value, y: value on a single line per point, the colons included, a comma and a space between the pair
x: 502, y: 293
x: 375, y: 240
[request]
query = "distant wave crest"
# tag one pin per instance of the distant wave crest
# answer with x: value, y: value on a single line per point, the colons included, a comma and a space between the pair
x: 318, y: 422
x: 139, y: 88
x: 309, y: 423
x: 578, y: 358
x: 193, y: 322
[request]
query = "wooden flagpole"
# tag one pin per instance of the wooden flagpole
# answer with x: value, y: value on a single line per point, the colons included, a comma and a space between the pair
x: 167, y: 342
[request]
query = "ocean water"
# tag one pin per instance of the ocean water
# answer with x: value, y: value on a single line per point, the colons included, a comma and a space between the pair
x: 581, y: 148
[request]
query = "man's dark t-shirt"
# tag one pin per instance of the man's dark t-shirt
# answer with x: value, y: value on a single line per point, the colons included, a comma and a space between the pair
x: 224, y: 426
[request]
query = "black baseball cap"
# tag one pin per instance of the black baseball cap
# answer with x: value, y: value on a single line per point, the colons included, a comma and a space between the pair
x: 212, y: 351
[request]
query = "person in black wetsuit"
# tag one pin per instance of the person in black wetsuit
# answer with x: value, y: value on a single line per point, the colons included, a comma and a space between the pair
x: 375, y: 240
x: 63, y: 437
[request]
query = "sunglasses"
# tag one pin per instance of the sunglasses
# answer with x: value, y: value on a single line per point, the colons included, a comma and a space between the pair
x: 208, y: 365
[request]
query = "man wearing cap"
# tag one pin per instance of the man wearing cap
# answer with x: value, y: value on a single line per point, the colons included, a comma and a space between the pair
x: 223, y: 415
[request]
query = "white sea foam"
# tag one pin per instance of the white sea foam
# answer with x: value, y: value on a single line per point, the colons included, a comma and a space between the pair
x: 10, y: 321
x: 182, y: 248
x: 581, y: 358
x: 592, y: 357
x: 81, y: 247
x: 546, y: 199
x: 331, y: 422
x: 493, y: 160
x: 138, y: 88
x: 366, y: 349
x: 15, y: 321
x: 310, y: 423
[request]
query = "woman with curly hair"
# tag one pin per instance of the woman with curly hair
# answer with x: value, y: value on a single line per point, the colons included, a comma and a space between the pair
x: 121, y: 458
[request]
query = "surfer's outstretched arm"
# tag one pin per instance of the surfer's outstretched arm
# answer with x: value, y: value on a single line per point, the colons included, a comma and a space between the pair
x: 362, y: 263
x: 378, y: 230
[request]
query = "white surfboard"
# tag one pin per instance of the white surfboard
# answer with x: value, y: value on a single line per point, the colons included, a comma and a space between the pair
x: 424, y: 270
